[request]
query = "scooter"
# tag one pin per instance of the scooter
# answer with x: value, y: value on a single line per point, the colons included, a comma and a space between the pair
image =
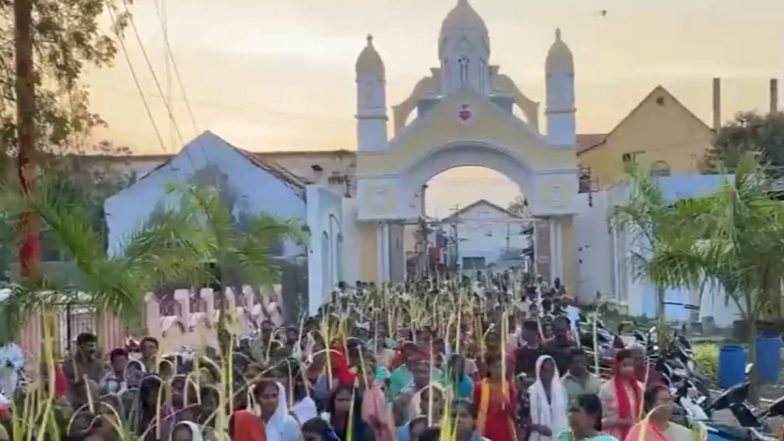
x: 753, y: 425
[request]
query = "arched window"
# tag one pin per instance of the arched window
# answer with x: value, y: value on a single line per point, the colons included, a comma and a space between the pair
x: 463, y: 63
x: 660, y: 168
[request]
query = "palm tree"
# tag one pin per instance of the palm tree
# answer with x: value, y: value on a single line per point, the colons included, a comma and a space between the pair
x: 169, y: 248
x: 735, y: 238
x: 243, y: 248
x: 647, y: 221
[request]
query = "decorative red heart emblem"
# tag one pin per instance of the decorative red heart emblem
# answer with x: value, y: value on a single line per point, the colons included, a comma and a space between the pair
x: 465, y: 112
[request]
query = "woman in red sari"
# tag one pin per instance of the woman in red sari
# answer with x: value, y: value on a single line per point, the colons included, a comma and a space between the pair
x: 496, y: 408
x: 621, y: 397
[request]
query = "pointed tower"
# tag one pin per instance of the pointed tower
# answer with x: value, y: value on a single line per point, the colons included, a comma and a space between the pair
x: 371, y: 100
x: 464, y: 50
x: 560, y: 112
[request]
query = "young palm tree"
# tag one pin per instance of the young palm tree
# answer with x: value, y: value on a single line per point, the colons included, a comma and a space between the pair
x: 647, y: 220
x: 171, y: 247
x: 243, y: 248
x: 736, y: 240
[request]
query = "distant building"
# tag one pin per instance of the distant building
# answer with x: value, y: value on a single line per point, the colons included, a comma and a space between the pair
x: 249, y: 185
x: 483, y: 236
x: 606, y: 257
x: 660, y: 134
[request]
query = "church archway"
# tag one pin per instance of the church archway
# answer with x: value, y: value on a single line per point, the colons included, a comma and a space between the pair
x: 466, y: 154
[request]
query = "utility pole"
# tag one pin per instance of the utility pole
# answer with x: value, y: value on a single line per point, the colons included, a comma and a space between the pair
x: 507, y: 238
x: 26, y: 167
x: 455, y: 223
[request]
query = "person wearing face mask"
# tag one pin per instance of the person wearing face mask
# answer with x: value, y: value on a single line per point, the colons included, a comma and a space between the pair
x: 658, y: 427
x: 621, y: 397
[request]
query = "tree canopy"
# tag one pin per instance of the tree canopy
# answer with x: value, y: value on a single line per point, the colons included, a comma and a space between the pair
x: 748, y: 132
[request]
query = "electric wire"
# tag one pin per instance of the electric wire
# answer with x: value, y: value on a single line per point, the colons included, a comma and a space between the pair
x: 135, y: 77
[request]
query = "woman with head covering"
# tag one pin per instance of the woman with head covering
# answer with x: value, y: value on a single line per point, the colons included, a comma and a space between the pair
x: 548, y: 400
x: 244, y: 425
x: 186, y: 431
x: 621, y: 397
x: 279, y: 424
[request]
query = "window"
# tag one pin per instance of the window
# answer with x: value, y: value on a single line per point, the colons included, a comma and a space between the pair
x: 660, y: 168
x: 463, y: 63
x: 627, y: 157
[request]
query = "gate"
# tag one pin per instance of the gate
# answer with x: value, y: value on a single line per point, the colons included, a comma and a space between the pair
x: 72, y: 320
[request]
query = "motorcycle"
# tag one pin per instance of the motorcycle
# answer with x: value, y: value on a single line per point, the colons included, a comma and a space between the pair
x: 753, y: 425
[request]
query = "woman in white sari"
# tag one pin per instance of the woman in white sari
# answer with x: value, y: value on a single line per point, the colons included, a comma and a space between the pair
x: 549, y: 402
x: 187, y: 431
x: 278, y: 422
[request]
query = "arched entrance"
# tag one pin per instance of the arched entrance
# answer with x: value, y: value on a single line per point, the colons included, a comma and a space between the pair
x: 389, y: 185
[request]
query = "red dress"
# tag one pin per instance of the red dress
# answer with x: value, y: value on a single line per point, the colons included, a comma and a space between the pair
x: 496, y: 411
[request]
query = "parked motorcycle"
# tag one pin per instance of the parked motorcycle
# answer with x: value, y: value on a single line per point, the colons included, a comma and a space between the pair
x: 753, y: 425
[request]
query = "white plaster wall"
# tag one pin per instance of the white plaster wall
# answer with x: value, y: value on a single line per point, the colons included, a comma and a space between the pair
x: 325, y: 222
x: 714, y: 304
x: 261, y: 192
x: 593, y: 248
x: 350, y: 247
x: 639, y: 295
x: 483, y: 231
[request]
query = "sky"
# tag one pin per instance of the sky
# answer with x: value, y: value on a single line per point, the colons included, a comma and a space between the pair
x: 279, y: 74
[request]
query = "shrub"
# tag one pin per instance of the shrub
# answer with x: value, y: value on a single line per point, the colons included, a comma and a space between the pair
x: 706, y: 356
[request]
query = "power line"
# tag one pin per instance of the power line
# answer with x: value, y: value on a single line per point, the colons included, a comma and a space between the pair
x: 132, y: 22
x: 136, y: 80
x: 175, y: 68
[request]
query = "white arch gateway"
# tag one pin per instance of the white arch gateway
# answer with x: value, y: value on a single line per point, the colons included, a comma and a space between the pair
x: 465, y: 118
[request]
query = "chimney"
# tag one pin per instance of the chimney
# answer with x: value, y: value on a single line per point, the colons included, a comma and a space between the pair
x: 716, y: 104
x: 774, y: 95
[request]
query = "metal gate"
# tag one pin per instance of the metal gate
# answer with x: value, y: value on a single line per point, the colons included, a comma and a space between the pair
x: 72, y: 320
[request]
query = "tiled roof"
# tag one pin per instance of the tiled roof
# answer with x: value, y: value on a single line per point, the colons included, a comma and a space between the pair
x: 587, y: 140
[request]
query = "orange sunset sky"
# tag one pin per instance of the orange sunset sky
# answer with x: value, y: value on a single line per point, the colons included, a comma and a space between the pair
x: 279, y: 74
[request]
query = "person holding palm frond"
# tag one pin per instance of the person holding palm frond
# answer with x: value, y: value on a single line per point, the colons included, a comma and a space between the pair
x: 657, y: 426
x: 496, y: 408
x: 621, y: 397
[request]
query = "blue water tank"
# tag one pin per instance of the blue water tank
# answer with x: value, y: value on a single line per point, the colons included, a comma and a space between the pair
x: 732, y: 366
x: 768, y: 359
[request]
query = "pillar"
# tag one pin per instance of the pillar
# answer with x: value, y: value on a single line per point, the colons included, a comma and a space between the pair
x: 568, y: 251
x: 111, y: 331
x: 542, y: 249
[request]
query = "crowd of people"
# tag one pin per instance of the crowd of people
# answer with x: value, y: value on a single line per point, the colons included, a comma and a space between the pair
x: 436, y: 360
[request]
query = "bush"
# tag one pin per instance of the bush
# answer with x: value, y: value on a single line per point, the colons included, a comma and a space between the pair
x: 706, y: 356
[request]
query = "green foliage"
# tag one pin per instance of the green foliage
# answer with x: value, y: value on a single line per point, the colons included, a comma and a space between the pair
x: 647, y: 221
x: 172, y: 247
x: 706, y: 356
x: 68, y: 39
x: 749, y: 132
x: 246, y: 248
x: 517, y: 206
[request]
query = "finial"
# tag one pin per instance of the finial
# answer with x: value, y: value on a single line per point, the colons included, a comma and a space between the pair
x: 558, y: 34
x: 370, y: 39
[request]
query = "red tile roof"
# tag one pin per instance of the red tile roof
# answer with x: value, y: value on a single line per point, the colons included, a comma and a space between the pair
x: 587, y: 140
